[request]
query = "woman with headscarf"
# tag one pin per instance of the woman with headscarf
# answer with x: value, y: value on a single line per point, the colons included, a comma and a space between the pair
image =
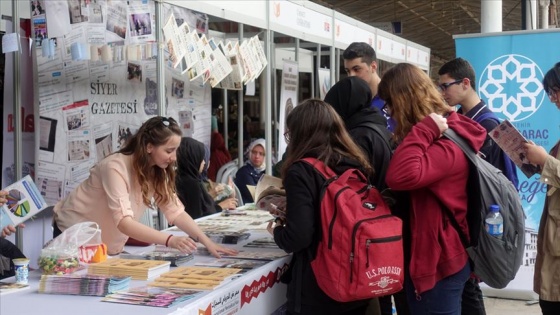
x: 190, y: 185
x: 351, y: 99
x: 219, y: 154
x: 251, y: 172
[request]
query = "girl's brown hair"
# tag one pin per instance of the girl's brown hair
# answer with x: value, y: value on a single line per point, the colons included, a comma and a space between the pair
x: 410, y: 95
x: 156, y: 131
x: 315, y: 127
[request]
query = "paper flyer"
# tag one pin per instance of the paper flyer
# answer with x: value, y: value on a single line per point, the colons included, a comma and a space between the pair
x: 511, y: 141
x: 23, y: 202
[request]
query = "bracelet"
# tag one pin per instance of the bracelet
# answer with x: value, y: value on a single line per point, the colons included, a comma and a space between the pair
x: 167, y: 241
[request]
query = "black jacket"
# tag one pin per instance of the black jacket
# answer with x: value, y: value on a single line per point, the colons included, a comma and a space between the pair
x: 351, y: 98
x: 301, y: 236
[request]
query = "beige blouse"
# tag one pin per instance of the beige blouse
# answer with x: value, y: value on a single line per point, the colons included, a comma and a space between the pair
x: 110, y: 193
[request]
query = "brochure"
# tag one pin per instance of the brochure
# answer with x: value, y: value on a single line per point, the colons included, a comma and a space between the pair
x: 511, y: 141
x: 270, y: 195
x: 23, y: 202
x: 152, y: 296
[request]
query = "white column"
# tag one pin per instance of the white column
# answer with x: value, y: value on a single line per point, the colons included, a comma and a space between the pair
x: 543, y: 5
x: 490, y: 16
x: 531, y: 15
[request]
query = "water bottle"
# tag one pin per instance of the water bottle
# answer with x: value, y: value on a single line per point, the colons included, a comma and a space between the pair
x: 494, y: 222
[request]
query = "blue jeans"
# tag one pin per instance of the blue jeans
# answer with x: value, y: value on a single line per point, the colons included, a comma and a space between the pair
x: 443, y: 299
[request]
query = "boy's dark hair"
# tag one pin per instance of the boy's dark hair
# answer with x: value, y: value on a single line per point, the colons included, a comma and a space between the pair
x: 360, y: 50
x: 458, y: 69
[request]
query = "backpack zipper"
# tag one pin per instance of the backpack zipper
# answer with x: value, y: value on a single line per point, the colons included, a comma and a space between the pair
x: 331, y: 224
x: 354, y: 231
x: 379, y: 240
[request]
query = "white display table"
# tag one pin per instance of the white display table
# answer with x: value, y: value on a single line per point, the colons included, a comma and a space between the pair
x: 256, y: 292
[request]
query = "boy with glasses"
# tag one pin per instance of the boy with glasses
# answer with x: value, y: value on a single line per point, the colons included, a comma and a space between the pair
x: 457, y: 85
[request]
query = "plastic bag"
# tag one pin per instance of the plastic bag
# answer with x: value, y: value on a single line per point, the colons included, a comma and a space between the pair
x: 62, y: 254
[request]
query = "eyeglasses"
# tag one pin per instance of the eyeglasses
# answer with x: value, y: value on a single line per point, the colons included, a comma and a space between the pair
x: 444, y: 86
x: 553, y: 94
x: 287, y: 136
x: 387, y: 109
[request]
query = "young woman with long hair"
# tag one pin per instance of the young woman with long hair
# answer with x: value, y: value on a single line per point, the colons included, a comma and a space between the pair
x: 121, y: 186
x: 434, y: 171
x: 314, y: 129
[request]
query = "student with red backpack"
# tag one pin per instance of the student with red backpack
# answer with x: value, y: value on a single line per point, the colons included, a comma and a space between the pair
x: 434, y: 171
x: 314, y: 130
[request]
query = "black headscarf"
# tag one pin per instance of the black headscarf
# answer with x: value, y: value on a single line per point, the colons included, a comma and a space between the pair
x: 190, y: 186
x: 351, y: 99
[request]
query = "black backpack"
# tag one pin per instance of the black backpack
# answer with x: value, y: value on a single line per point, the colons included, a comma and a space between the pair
x: 495, y: 261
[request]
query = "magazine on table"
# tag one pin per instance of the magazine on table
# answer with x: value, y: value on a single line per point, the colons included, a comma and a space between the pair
x: 23, y: 202
x: 160, y: 252
x: 511, y: 141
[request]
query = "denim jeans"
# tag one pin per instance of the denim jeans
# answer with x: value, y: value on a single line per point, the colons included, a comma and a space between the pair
x: 443, y: 299
x: 472, y: 302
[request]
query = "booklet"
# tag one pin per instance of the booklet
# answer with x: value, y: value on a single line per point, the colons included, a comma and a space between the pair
x: 511, y: 141
x: 270, y: 195
x: 23, y: 202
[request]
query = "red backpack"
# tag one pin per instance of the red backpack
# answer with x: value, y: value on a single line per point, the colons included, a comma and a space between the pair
x: 360, y: 254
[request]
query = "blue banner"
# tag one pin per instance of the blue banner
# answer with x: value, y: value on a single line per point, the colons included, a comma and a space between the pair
x: 510, y: 67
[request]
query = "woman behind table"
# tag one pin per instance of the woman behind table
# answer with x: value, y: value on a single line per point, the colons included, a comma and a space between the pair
x: 434, y: 171
x: 8, y: 250
x: 190, y: 185
x: 547, y: 266
x: 314, y: 130
x: 120, y: 188
x: 251, y: 172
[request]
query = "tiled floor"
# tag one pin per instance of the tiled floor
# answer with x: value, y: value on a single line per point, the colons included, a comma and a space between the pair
x: 495, y: 306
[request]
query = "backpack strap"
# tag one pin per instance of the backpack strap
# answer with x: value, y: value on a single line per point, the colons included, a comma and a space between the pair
x: 510, y: 170
x: 321, y: 167
x: 471, y: 155
x: 371, y: 125
x: 455, y: 224
x: 457, y: 139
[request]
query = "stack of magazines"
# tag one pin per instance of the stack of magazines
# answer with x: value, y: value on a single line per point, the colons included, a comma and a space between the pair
x: 135, y: 268
x: 90, y: 285
x: 149, y: 296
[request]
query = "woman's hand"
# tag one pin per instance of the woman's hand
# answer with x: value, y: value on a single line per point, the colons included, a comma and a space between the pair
x: 184, y: 244
x: 440, y: 121
x: 9, y: 229
x: 230, y: 203
x: 535, y: 154
x: 215, y: 250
